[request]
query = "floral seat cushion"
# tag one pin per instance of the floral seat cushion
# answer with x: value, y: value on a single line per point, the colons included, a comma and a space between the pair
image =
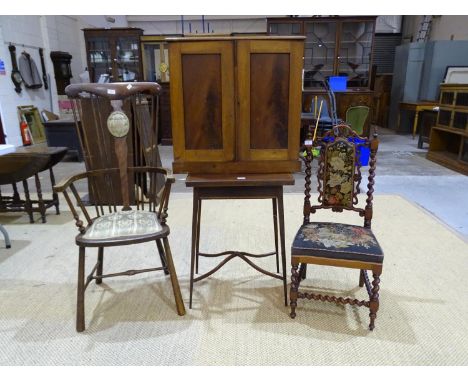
x: 338, y: 241
x: 123, y: 224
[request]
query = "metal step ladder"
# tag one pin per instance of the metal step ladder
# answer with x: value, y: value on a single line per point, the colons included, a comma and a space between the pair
x: 424, y: 29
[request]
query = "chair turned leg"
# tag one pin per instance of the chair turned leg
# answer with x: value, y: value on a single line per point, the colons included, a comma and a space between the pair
x: 80, y: 313
x: 162, y: 256
x: 100, y: 266
x: 361, y: 278
x: 293, y: 291
x: 374, y: 299
x: 175, y: 283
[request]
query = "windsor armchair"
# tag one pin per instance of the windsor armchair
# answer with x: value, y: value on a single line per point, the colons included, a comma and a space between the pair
x: 129, y: 202
x: 333, y: 244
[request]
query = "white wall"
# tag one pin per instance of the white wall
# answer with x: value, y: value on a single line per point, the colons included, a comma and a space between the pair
x: 19, y: 30
x: 53, y: 33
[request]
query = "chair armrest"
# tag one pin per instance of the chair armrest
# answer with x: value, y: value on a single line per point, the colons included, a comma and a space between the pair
x: 65, y: 183
x: 170, y: 178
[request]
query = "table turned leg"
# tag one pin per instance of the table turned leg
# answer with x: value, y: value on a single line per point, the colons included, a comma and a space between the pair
x: 28, y: 203
x: 415, y: 123
x: 42, y: 208
x: 16, y: 195
x: 54, y: 194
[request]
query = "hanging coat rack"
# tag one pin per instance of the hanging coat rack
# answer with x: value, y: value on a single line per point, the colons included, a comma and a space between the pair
x: 23, y: 45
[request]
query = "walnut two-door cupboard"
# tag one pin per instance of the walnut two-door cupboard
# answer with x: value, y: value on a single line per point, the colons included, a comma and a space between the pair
x: 236, y: 103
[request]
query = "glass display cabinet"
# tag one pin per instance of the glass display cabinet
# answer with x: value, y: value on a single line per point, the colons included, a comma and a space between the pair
x: 155, y: 58
x: 156, y: 67
x: 333, y: 46
x: 113, y: 55
x: 355, y: 52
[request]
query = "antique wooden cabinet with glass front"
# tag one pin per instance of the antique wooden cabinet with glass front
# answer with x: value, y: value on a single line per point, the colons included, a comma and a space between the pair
x: 334, y: 46
x: 156, y: 68
x: 114, y: 54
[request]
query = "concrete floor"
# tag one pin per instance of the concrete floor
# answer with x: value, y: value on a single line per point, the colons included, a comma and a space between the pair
x: 401, y: 169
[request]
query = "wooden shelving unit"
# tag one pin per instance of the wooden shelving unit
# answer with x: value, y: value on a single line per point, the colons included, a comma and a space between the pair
x: 448, y: 143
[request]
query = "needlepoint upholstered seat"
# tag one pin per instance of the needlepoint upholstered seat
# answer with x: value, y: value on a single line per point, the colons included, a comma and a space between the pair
x: 337, y: 241
x: 337, y: 244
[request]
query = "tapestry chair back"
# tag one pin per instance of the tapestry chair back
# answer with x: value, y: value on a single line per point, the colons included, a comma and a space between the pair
x: 339, y: 173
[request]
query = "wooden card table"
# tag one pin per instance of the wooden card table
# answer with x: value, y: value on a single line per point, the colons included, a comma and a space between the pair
x: 236, y: 109
x: 238, y: 186
x: 22, y: 164
x: 415, y: 107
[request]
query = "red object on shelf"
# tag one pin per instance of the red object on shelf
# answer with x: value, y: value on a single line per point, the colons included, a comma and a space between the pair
x: 25, y: 133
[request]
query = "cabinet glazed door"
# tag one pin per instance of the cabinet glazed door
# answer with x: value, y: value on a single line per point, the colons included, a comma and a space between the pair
x: 269, y: 99
x: 202, y: 100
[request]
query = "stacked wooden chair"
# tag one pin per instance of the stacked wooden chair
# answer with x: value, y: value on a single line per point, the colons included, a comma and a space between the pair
x: 128, y: 192
x: 333, y: 244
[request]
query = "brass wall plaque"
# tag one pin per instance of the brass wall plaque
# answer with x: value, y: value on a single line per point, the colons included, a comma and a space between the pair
x: 118, y: 124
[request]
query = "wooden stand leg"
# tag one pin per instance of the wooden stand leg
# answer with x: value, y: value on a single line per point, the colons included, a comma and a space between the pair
x: 175, y: 283
x: 42, y: 208
x: 294, y: 287
x: 283, y: 245
x: 195, y: 222
x: 100, y: 264
x: 374, y: 300
x: 197, y: 258
x: 162, y: 256
x: 80, y: 307
x: 275, y: 227
x: 28, y: 203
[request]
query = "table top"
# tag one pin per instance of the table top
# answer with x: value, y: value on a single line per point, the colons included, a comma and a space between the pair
x: 53, y: 154
x: 60, y: 122
x: 419, y: 103
x: 238, y: 180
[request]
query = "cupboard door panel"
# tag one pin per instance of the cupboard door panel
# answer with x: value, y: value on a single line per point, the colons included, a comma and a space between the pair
x: 269, y: 99
x: 269, y: 104
x: 202, y: 106
x: 203, y: 124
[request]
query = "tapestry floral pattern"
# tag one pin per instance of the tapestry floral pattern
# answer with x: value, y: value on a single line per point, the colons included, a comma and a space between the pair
x: 332, y: 236
x: 339, y: 174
